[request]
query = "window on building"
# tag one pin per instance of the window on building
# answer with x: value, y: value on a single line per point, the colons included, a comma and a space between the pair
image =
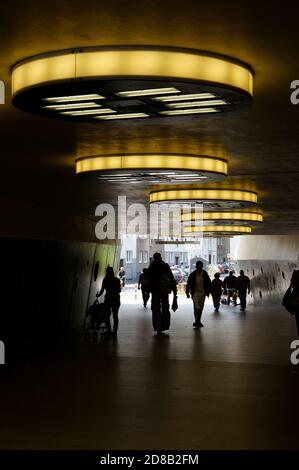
x: 129, y: 256
x: 184, y: 257
x: 170, y: 257
x: 145, y: 256
x: 140, y: 257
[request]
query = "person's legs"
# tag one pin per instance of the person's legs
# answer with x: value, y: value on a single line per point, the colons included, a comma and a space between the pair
x: 198, y: 302
x: 244, y: 301
x: 145, y: 296
x: 242, y: 296
x: 156, y: 311
x: 115, y: 309
x: 199, y: 315
x: 195, y: 308
x: 107, y: 317
x: 165, y: 318
x: 216, y: 301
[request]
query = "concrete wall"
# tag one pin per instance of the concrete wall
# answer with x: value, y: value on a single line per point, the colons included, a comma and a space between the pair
x: 269, y: 261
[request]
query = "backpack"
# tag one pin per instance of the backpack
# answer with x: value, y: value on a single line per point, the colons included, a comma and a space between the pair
x: 165, y: 283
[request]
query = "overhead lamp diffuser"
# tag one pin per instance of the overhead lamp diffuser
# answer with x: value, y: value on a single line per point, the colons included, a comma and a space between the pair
x: 152, y: 167
x: 226, y: 217
x: 130, y: 80
x: 223, y: 229
x: 212, y: 196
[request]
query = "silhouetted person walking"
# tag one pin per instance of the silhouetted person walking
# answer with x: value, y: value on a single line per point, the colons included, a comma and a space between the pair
x: 230, y: 286
x: 295, y: 296
x: 144, y: 282
x: 111, y: 285
x: 162, y: 283
x: 243, y: 287
x: 216, y: 291
x: 199, y: 285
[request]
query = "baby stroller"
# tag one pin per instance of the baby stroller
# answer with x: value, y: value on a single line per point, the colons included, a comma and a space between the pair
x: 96, y: 320
x: 223, y: 299
x: 234, y: 298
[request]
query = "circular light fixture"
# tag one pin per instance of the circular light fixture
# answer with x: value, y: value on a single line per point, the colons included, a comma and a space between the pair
x: 210, y: 197
x: 152, y: 168
x: 222, y: 217
x: 191, y: 240
x: 112, y: 83
x: 219, y: 229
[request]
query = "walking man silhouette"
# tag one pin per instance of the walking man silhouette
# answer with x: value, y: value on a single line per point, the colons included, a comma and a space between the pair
x: 199, y: 285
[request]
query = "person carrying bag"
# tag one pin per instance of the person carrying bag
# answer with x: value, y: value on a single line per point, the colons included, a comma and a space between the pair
x: 291, y: 298
x: 162, y: 283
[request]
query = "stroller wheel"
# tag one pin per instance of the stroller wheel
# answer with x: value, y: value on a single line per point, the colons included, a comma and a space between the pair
x: 94, y: 335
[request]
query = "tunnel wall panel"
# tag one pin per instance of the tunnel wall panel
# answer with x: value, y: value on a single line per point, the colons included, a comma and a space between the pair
x: 46, y: 286
x: 269, y: 262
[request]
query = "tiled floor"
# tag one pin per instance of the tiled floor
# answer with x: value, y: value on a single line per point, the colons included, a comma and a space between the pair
x: 229, y: 385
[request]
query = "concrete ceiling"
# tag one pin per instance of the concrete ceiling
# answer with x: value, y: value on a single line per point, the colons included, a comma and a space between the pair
x: 261, y: 144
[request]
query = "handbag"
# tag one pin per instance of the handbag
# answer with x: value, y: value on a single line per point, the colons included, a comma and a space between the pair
x: 174, y: 306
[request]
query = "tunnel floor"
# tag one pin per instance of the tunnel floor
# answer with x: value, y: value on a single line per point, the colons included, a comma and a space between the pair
x: 229, y: 385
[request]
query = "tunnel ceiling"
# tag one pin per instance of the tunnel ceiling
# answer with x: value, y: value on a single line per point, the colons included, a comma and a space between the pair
x: 261, y: 143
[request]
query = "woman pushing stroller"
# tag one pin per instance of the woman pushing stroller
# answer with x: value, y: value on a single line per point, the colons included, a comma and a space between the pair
x: 111, y: 285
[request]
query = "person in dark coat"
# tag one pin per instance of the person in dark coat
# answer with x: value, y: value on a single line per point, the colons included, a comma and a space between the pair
x: 295, y: 296
x: 243, y: 287
x: 161, y: 284
x: 144, y: 282
x: 199, y: 285
x: 230, y: 287
x: 111, y: 285
x: 216, y: 291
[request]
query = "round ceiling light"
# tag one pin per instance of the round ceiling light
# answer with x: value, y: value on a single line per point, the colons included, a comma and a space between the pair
x: 113, y: 83
x: 218, y: 229
x: 222, y: 217
x: 209, y: 197
x: 152, y: 168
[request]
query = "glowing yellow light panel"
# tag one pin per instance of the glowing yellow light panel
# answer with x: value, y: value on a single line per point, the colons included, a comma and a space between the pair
x: 225, y: 229
x: 136, y: 82
x: 223, y: 216
x: 151, y: 167
x: 234, y: 197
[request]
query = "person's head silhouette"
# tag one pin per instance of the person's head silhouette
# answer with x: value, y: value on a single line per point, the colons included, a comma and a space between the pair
x: 157, y: 257
x: 109, y: 272
x: 199, y: 266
